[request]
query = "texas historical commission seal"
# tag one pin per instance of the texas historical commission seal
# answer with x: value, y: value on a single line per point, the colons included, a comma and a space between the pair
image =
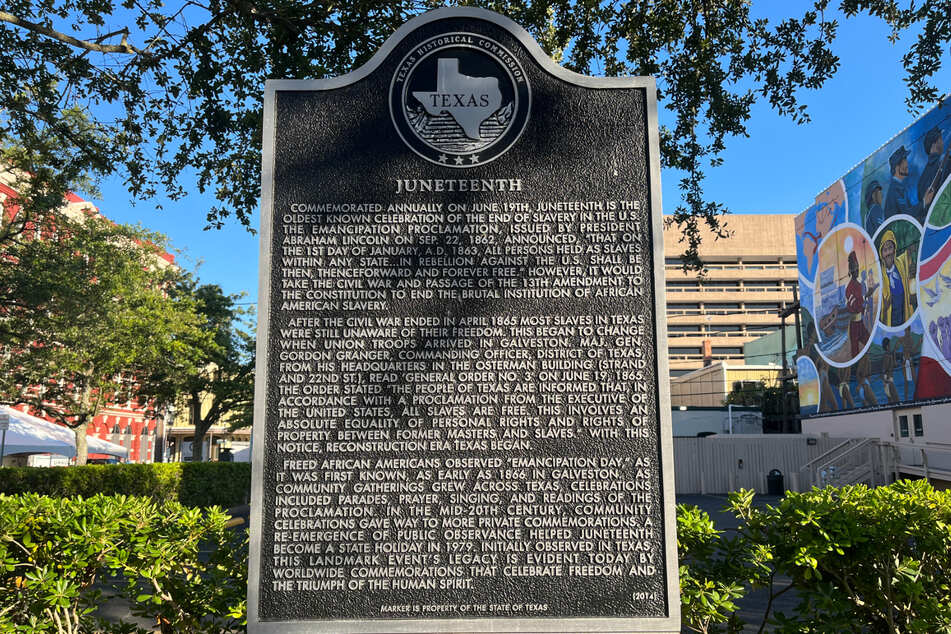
x: 459, y: 99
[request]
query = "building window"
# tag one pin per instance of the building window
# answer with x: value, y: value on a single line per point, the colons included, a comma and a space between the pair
x: 763, y: 286
x: 763, y: 308
x: 903, y: 426
x: 727, y: 350
x: 680, y: 350
x: 721, y: 287
x: 762, y: 264
x: 115, y: 429
x: 684, y: 328
x: 721, y: 309
x: 683, y: 287
x: 919, y: 426
x: 683, y: 309
x: 722, y: 266
x: 725, y: 331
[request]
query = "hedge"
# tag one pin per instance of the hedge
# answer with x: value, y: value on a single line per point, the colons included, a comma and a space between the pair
x: 857, y: 559
x: 192, y: 484
x: 181, y: 568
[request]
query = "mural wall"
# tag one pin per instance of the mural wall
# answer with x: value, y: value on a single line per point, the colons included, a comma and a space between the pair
x: 875, y: 277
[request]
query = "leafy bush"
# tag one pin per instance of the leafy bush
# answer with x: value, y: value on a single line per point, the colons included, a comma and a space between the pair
x: 223, y: 484
x: 179, y: 566
x: 859, y: 559
x: 711, y: 572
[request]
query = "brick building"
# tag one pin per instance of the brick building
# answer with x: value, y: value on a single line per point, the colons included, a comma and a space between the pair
x: 121, y: 423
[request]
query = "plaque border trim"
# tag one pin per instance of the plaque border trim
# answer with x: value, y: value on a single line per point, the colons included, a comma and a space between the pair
x: 671, y: 624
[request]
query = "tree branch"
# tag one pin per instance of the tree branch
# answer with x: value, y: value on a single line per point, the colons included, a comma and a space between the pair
x: 122, y: 47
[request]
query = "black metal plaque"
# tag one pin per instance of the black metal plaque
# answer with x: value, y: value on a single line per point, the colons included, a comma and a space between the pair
x: 460, y: 422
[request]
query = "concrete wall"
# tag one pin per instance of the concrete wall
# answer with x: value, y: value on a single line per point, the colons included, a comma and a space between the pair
x: 936, y: 424
x: 881, y: 424
x: 759, y: 236
x: 862, y: 425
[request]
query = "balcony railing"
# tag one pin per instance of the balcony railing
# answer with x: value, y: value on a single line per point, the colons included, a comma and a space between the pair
x: 732, y: 266
x: 713, y: 334
x: 739, y: 312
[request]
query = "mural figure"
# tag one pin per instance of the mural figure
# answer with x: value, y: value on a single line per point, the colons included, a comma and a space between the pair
x: 873, y: 200
x: 932, y: 381
x: 898, y: 199
x: 863, y: 370
x: 845, y: 391
x: 888, y: 372
x: 936, y: 170
x: 909, y: 353
x: 855, y: 300
x: 897, y: 281
x: 825, y: 218
x: 809, y: 346
x: 827, y: 402
x: 940, y: 331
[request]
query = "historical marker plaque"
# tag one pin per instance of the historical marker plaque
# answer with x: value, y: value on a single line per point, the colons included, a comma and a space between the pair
x: 459, y: 421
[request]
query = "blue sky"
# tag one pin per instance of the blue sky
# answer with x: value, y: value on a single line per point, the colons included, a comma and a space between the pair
x: 779, y: 169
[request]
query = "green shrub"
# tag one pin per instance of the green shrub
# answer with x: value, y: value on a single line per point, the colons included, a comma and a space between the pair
x: 223, y: 484
x: 859, y: 560
x: 53, y: 550
x: 713, y: 573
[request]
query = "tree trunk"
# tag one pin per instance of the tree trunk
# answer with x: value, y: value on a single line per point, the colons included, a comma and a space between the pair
x: 198, y: 444
x: 87, y: 413
x: 198, y: 439
x: 82, y: 449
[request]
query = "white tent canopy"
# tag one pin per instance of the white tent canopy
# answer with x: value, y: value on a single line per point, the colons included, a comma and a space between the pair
x: 31, y: 435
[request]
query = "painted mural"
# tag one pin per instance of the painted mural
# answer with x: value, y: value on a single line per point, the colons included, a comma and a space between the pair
x: 874, y: 255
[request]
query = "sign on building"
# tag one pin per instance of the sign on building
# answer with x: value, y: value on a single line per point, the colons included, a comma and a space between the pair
x: 460, y: 420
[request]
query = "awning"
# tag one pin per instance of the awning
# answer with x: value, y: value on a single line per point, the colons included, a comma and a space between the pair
x: 31, y: 435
